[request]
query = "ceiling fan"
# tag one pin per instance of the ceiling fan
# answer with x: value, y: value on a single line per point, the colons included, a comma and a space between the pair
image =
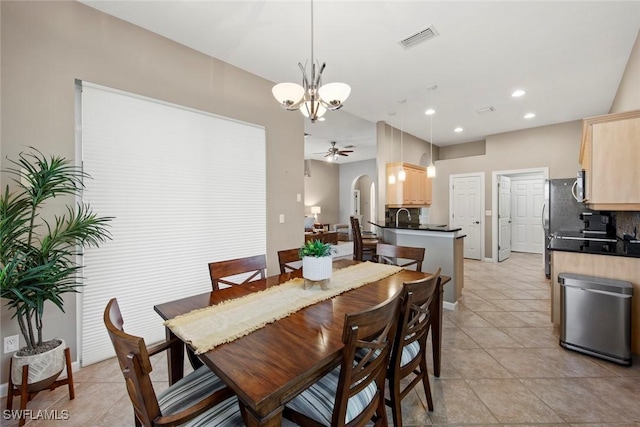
x: 334, y: 151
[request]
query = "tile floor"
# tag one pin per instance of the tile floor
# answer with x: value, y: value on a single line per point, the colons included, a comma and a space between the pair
x: 502, y: 365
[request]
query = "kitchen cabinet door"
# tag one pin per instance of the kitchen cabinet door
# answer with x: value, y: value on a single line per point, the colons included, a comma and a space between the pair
x: 610, y: 156
x: 414, y: 191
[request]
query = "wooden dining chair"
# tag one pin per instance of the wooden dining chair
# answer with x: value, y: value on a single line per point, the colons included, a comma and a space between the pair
x: 223, y: 269
x: 353, y: 394
x: 408, y: 358
x: 289, y: 260
x: 200, y: 398
x: 362, y: 247
x: 392, y: 254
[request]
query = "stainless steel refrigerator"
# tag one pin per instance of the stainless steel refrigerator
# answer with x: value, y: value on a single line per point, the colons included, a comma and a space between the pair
x: 561, y: 213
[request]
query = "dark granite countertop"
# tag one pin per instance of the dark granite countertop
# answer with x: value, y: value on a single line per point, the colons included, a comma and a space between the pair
x: 422, y: 227
x: 618, y: 248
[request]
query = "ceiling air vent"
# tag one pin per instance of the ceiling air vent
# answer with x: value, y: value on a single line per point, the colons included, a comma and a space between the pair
x: 485, y: 110
x: 419, y: 37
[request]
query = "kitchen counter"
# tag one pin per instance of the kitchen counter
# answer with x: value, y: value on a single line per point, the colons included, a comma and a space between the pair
x: 443, y: 228
x: 618, y: 248
x: 444, y: 248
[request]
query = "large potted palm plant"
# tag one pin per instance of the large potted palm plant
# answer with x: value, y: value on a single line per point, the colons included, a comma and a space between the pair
x: 38, y: 255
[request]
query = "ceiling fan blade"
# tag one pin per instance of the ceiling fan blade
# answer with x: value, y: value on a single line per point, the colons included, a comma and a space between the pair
x: 342, y: 154
x: 345, y: 151
x: 328, y: 154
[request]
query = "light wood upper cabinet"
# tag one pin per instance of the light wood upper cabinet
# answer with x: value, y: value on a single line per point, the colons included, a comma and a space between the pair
x: 414, y: 191
x: 610, y: 156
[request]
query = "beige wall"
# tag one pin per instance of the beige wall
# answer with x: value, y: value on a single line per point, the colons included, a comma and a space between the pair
x: 476, y: 148
x: 628, y: 96
x: 555, y: 147
x: 321, y: 188
x: 47, y: 45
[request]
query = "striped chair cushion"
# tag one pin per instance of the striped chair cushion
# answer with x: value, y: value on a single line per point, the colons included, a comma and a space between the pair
x: 409, y: 353
x: 317, y: 401
x: 193, y: 388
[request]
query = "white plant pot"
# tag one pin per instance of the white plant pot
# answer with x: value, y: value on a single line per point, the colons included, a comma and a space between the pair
x: 317, y: 269
x: 44, y: 368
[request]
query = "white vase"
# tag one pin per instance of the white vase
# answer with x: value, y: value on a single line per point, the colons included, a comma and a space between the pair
x: 44, y: 368
x: 317, y: 268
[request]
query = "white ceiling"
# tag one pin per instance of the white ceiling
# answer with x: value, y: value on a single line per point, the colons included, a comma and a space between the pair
x: 568, y: 56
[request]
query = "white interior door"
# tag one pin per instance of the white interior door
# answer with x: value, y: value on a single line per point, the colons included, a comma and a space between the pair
x: 527, y: 196
x: 466, y: 212
x: 504, y: 217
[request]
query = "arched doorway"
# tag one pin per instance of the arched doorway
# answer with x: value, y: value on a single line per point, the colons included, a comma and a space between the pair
x: 363, y: 200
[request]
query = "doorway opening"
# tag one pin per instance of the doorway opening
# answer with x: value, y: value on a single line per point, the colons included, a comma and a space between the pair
x: 363, y: 197
x: 518, y: 202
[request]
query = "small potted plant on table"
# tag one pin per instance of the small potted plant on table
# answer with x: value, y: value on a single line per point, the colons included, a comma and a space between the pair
x: 316, y: 263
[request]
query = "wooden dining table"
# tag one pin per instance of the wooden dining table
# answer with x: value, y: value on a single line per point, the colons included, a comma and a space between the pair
x: 270, y: 366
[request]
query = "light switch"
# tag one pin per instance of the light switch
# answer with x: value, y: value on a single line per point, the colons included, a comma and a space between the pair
x: 281, y: 218
x: 298, y: 197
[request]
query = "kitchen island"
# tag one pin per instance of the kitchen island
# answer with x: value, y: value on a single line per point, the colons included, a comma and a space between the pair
x: 612, y: 260
x: 444, y: 248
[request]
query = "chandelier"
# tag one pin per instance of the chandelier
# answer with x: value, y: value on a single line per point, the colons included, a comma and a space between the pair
x: 313, y: 99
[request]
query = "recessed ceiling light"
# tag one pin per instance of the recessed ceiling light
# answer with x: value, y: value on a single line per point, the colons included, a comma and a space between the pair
x: 458, y: 129
x: 529, y: 115
x: 430, y: 111
x: 518, y: 93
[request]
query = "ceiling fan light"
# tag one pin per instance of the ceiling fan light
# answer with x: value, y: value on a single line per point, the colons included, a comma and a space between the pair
x: 289, y: 95
x: 334, y: 94
x: 431, y: 171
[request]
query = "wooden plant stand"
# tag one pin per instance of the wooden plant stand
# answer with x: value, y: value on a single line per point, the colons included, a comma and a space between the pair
x: 26, y: 395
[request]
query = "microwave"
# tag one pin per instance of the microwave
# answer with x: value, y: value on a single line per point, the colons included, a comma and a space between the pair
x: 579, y: 187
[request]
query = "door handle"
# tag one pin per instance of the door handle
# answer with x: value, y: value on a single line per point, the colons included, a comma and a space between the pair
x: 477, y: 222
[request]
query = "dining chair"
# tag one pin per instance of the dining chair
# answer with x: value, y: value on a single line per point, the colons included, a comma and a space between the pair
x: 408, y: 357
x: 223, y: 269
x: 353, y: 393
x: 199, y: 398
x: 289, y: 260
x: 392, y: 254
x: 362, y: 247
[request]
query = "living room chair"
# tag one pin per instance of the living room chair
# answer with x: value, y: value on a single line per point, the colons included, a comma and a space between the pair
x: 200, y: 398
x: 391, y: 254
x: 362, y: 248
x: 289, y: 260
x: 353, y: 394
x: 223, y: 269
x: 408, y: 358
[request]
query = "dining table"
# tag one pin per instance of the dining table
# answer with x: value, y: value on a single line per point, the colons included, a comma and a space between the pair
x: 270, y: 366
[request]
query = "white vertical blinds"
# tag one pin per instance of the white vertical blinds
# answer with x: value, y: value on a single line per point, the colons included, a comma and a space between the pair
x: 185, y: 188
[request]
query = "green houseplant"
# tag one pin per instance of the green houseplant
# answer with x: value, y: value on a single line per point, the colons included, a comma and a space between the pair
x: 316, y: 262
x: 38, y: 256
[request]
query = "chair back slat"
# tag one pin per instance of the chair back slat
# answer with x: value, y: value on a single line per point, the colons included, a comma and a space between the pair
x: 286, y: 258
x: 135, y: 365
x: 391, y: 254
x: 222, y: 269
x: 368, y: 338
x: 357, y: 239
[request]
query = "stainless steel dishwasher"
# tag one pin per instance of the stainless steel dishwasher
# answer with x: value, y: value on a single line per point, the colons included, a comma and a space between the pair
x: 595, y: 315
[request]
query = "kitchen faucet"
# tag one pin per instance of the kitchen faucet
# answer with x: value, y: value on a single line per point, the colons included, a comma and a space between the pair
x: 398, y: 214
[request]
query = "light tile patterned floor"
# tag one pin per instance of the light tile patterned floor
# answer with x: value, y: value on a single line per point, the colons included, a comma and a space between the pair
x: 502, y: 365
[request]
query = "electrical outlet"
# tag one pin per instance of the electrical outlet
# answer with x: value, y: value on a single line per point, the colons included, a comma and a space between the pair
x: 11, y: 343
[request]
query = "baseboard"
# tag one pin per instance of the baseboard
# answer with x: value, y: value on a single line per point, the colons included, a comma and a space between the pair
x: 489, y: 260
x: 4, y: 388
x: 449, y: 305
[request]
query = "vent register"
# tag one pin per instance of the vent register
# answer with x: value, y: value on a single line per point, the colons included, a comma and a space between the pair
x: 419, y: 37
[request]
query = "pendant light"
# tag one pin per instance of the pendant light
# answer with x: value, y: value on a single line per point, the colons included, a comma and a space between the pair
x: 431, y: 169
x: 402, y: 175
x: 392, y: 177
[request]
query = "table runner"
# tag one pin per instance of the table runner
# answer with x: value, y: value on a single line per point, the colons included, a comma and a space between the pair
x: 209, y: 327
